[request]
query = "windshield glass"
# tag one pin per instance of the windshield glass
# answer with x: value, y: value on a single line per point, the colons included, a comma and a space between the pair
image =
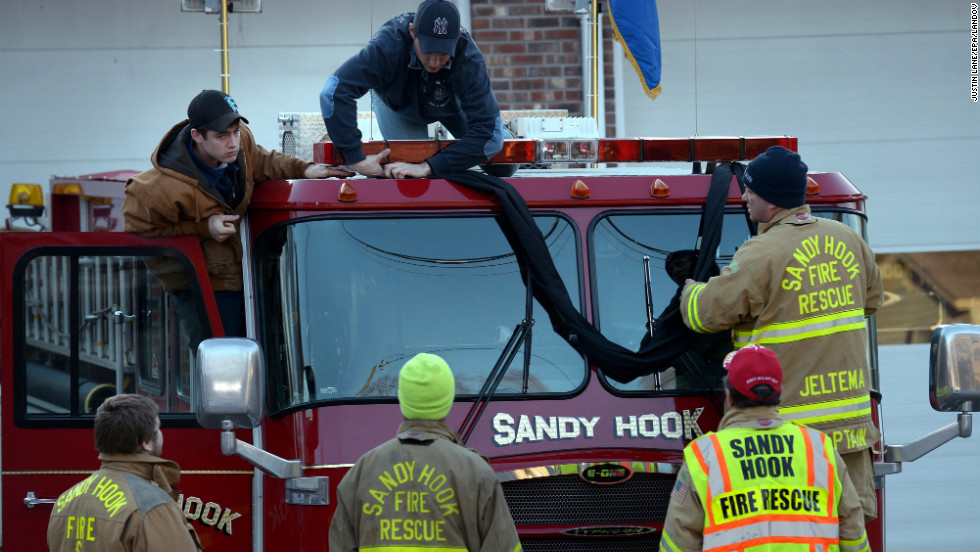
x: 344, y: 303
x: 670, y: 240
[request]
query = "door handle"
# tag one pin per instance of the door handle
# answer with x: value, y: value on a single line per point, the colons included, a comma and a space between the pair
x: 31, y: 501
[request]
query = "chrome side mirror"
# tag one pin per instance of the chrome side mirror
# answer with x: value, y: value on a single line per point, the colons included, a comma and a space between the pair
x: 954, y: 368
x: 228, y: 382
x: 229, y: 396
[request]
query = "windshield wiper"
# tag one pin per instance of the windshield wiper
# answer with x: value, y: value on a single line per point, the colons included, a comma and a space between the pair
x: 651, y: 320
x: 521, y: 333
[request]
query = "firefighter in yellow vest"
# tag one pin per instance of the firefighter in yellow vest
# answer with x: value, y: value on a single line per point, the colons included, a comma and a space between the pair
x: 804, y: 288
x: 759, y: 482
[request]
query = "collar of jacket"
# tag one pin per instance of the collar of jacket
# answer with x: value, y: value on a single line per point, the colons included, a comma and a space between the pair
x: 427, y: 429
x: 754, y: 417
x: 781, y: 217
x: 165, y: 473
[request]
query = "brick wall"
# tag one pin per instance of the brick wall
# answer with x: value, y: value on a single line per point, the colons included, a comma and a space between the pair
x: 535, y: 56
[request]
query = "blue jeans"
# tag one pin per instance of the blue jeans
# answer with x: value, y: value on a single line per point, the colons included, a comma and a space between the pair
x: 395, y: 126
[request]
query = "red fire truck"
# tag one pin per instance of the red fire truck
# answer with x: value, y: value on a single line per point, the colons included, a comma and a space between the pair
x: 347, y: 279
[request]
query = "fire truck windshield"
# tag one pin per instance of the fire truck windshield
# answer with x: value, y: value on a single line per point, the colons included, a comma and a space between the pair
x: 669, y: 240
x: 344, y: 302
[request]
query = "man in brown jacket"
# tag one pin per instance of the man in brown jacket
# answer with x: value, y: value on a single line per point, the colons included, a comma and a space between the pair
x: 129, y: 503
x: 423, y: 489
x: 803, y: 287
x: 204, y: 172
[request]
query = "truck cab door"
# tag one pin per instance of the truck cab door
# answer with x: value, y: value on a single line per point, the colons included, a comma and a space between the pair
x: 86, y: 316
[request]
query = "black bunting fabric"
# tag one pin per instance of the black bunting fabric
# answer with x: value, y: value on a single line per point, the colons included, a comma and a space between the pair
x: 670, y: 339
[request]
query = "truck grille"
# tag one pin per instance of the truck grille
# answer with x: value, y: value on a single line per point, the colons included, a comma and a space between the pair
x: 568, y: 500
x: 634, y: 544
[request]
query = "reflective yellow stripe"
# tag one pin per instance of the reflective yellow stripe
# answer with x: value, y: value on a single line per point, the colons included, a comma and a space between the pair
x: 401, y: 548
x: 798, y: 330
x: 860, y: 545
x: 842, y: 409
x: 772, y: 532
x: 692, y: 309
x: 667, y: 544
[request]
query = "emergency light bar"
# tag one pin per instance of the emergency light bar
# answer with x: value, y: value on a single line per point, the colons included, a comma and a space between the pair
x: 602, y: 150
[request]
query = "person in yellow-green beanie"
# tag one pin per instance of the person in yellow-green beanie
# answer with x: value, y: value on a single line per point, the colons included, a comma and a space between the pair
x: 448, y: 496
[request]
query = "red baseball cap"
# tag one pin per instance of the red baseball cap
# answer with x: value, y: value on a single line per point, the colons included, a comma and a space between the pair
x: 753, y: 365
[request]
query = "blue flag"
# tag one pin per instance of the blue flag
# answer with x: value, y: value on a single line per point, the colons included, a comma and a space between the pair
x: 637, y: 27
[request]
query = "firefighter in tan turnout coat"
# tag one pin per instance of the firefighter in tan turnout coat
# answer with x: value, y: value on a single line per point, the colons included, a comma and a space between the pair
x: 423, y: 490
x: 804, y: 288
x: 128, y: 504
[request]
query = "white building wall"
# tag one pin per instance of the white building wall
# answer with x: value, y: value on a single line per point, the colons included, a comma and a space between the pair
x: 876, y: 90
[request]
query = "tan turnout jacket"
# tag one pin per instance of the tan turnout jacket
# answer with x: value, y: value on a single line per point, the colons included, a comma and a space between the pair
x: 126, y: 506
x: 803, y: 287
x: 422, y: 489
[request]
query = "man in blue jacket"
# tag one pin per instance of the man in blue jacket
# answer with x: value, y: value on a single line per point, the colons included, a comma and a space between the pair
x: 421, y: 68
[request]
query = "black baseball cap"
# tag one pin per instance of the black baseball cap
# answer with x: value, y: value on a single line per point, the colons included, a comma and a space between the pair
x: 437, y: 27
x: 213, y: 109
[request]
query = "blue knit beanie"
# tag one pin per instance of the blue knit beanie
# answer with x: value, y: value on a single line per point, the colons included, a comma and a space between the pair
x: 778, y: 176
x: 426, y: 388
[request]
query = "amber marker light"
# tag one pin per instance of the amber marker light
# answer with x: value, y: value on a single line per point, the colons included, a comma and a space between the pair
x: 66, y: 188
x: 659, y: 189
x: 580, y: 190
x: 812, y: 188
x: 347, y: 193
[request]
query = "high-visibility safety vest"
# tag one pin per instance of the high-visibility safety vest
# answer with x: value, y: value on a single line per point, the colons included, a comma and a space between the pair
x: 776, y: 489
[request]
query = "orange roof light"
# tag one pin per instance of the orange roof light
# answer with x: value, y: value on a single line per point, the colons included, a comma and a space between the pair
x: 812, y: 188
x: 659, y: 189
x: 580, y: 190
x: 66, y: 188
x: 28, y: 194
x: 347, y: 193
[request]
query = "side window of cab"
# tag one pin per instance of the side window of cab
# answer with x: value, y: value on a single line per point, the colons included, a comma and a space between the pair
x: 93, y: 322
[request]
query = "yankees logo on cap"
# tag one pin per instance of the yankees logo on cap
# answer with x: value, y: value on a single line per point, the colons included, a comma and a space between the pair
x: 437, y: 27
